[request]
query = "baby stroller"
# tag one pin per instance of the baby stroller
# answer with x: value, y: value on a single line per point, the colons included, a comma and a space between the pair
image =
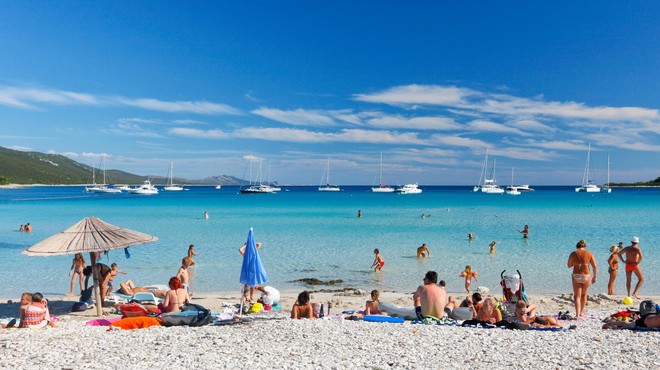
x: 513, y: 290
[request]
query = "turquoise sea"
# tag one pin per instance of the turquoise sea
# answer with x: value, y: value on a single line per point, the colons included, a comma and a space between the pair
x: 306, y: 233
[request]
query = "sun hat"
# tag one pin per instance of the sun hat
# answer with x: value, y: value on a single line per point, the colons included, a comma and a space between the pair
x: 635, y: 240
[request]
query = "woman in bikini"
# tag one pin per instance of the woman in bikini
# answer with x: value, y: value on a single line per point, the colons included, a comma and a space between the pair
x: 176, y: 297
x: 613, y: 263
x: 77, y: 266
x: 579, y: 260
x: 488, y: 313
x: 371, y: 307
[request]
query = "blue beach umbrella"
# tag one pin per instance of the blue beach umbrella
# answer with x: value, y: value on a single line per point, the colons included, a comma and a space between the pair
x: 252, y: 271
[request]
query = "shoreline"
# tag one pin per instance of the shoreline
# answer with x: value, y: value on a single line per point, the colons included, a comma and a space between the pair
x: 273, y: 340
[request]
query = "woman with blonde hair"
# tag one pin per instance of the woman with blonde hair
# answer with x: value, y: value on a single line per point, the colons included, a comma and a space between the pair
x: 613, y: 263
x: 77, y: 266
x: 579, y: 260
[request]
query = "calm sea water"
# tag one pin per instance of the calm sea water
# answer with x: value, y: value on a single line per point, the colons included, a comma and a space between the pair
x: 310, y: 234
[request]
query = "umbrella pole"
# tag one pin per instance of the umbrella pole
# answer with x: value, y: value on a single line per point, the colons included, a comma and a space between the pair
x: 97, y: 290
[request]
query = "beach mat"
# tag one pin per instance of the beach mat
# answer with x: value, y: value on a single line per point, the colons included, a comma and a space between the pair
x: 383, y: 318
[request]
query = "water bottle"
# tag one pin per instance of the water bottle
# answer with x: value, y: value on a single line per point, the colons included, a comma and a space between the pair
x: 321, y: 314
x: 330, y: 306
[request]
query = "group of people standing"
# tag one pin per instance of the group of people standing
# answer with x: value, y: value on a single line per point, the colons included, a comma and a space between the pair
x: 581, y: 260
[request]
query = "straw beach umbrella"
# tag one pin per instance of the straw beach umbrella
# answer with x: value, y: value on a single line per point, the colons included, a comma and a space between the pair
x: 252, y: 271
x: 90, y: 235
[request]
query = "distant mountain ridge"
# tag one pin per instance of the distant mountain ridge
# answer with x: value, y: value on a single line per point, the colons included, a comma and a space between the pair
x: 18, y: 167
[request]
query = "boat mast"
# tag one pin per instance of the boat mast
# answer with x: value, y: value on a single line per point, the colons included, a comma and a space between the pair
x: 483, y: 170
x: 585, y: 175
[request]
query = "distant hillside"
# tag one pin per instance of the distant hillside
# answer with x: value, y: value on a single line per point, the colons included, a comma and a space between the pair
x: 655, y: 182
x: 17, y: 167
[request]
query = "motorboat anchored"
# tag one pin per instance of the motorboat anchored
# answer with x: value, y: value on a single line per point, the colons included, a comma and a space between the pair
x: 145, y: 189
x: 409, y: 189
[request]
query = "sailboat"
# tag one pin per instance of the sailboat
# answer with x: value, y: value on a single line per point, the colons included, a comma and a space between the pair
x: 512, y: 190
x: 256, y: 187
x: 382, y: 188
x: 326, y: 177
x: 488, y: 184
x: 607, y: 188
x: 588, y: 186
x: 103, y: 188
x: 170, y: 185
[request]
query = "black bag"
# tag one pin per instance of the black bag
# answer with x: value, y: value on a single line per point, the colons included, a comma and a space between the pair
x: 79, y: 307
x: 647, y: 307
x: 191, y: 314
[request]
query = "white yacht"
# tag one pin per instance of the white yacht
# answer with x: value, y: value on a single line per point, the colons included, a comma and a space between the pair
x: 103, y: 188
x: 171, y: 186
x: 588, y: 186
x: 382, y: 188
x: 487, y: 183
x: 409, y: 189
x: 326, y: 176
x: 257, y: 189
x: 512, y: 190
x: 218, y: 187
x: 145, y: 189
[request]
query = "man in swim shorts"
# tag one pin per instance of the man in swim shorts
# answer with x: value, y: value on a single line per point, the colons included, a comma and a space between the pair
x: 431, y: 300
x: 633, y: 257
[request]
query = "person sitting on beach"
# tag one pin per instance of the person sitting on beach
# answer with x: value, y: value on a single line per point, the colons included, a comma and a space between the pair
x: 431, y: 300
x: 379, y: 262
x: 579, y: 260
x: 613, y: 263
x: 109, y: 278
x: 26, y: 301
x: 489, y: 313
x: 303, y: 309
x: 492, y: 247
x: 633, y: 257
x: 77, y: 266
x: 191, y: 253
x: 176, y: 297
x: 36, y: 314
x: 526, y: 314
x: 371, y: 308
x: 476, y: 303
x: 129, y: 288
x: 423, y: 251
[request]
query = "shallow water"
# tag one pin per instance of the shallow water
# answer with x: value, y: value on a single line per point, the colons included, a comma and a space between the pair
x: 310, y: 234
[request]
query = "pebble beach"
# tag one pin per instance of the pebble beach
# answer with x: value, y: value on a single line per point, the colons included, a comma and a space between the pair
x: 273, y: 340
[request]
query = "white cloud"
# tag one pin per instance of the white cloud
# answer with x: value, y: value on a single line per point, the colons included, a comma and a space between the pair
x: 297, y: 117
x: 197, y: 133
x: 19, y: 148
x: 458, y: 141
x: 418, y: 94
x: 131, y: 129
x: 35, y: 97
x: 414, y: 123
x: 488, y: 126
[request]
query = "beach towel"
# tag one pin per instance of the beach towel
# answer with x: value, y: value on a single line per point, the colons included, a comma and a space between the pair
x: 141, y: 322
x: 432, y: 320
x: 102, y: 322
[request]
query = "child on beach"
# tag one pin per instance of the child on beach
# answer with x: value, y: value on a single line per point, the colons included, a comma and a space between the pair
x: 371, y: 307
x: 492, y: 247
x: 613, y: 263
x: 378, y: 261
x: 183, y: 275
x: 468, y: 274
x: 191, y: 253
x: 111, y: 276
x: 77, y: 266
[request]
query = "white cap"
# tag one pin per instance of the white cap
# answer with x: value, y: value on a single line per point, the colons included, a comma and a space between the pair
x: 635, y: 240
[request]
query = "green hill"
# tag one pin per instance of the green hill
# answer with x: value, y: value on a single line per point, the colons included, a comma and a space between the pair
x: 17, y: 167
x: 655, y: 182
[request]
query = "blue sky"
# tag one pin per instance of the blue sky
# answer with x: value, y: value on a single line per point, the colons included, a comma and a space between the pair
x: 208, y: 84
